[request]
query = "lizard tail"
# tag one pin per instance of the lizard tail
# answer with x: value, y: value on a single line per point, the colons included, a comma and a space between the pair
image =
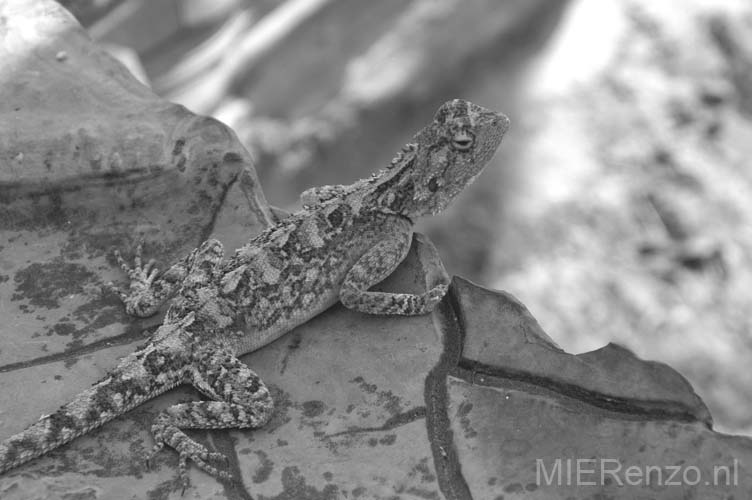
x: 135, y: 380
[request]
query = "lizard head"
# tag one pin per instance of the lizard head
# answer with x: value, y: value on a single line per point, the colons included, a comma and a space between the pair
x: 443, y: 158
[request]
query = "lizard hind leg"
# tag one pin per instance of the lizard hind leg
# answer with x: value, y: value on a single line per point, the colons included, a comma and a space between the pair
x: 240, y: 400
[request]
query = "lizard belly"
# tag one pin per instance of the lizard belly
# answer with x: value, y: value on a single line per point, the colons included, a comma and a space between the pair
x: 255, y: 336
x: 294, y: 271
x: 269, y: 308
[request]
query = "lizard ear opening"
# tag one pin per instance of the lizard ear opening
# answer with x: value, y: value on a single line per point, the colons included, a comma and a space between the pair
x: 434, y: 183
x: 463, y: 140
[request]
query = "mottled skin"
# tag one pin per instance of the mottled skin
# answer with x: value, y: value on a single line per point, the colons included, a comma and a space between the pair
x: 345, y: 240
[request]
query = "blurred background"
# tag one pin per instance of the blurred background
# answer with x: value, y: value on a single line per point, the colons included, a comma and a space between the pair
x: 619, y: 207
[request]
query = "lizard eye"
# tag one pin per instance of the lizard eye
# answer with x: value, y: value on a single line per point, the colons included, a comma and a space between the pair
x: 434, y: 184
x: 463, y: 140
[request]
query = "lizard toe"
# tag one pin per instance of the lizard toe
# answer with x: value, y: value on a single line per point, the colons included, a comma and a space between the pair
x: 111, y: 287
x: 435, y: 295
x: 185, y: 481
x: 219, y: 458
x: 153, y: 453
x: 210, y: 469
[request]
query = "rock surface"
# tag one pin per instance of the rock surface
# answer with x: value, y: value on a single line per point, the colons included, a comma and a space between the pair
x: 459, y: 404
x: 92, y: 160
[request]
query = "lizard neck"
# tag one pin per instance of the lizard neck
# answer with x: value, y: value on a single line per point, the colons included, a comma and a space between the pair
x: 391, y: 189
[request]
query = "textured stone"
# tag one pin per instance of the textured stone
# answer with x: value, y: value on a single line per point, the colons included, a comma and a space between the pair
x: 510, y: 441
x: 501, y: 337
x: 91, y: 160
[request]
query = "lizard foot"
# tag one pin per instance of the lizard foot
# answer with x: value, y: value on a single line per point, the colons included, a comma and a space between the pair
x: 188, y: 449
x: 434, y: 296
x: 141, y: 299
x: 219, y: 375
x: 201, y: 460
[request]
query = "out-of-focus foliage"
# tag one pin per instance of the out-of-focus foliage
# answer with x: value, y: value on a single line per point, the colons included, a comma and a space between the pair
x: 633, y: 219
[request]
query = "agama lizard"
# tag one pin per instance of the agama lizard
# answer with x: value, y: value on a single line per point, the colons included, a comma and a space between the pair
x: 346, y: 239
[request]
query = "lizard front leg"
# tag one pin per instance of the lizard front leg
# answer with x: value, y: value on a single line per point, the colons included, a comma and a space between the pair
x: 375, y: 265
x: 148, y: 290
x: 240, y: 400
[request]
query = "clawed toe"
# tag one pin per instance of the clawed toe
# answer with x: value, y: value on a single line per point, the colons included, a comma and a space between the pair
x: 145, y: 293
x: 150, y: 271
x: 111, y: 287
x: 219, y: 458
x: 141, y: 272
x: 210, y: 469
x: 212, y: 463
x: 139, y: 251
x: 202, y: 463
x: 154, y: 451
x: 183, y: 473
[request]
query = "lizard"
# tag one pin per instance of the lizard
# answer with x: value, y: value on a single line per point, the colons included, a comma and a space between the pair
x: 344, y: 240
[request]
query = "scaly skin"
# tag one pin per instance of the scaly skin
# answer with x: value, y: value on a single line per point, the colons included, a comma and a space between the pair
x: 345, y: 240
